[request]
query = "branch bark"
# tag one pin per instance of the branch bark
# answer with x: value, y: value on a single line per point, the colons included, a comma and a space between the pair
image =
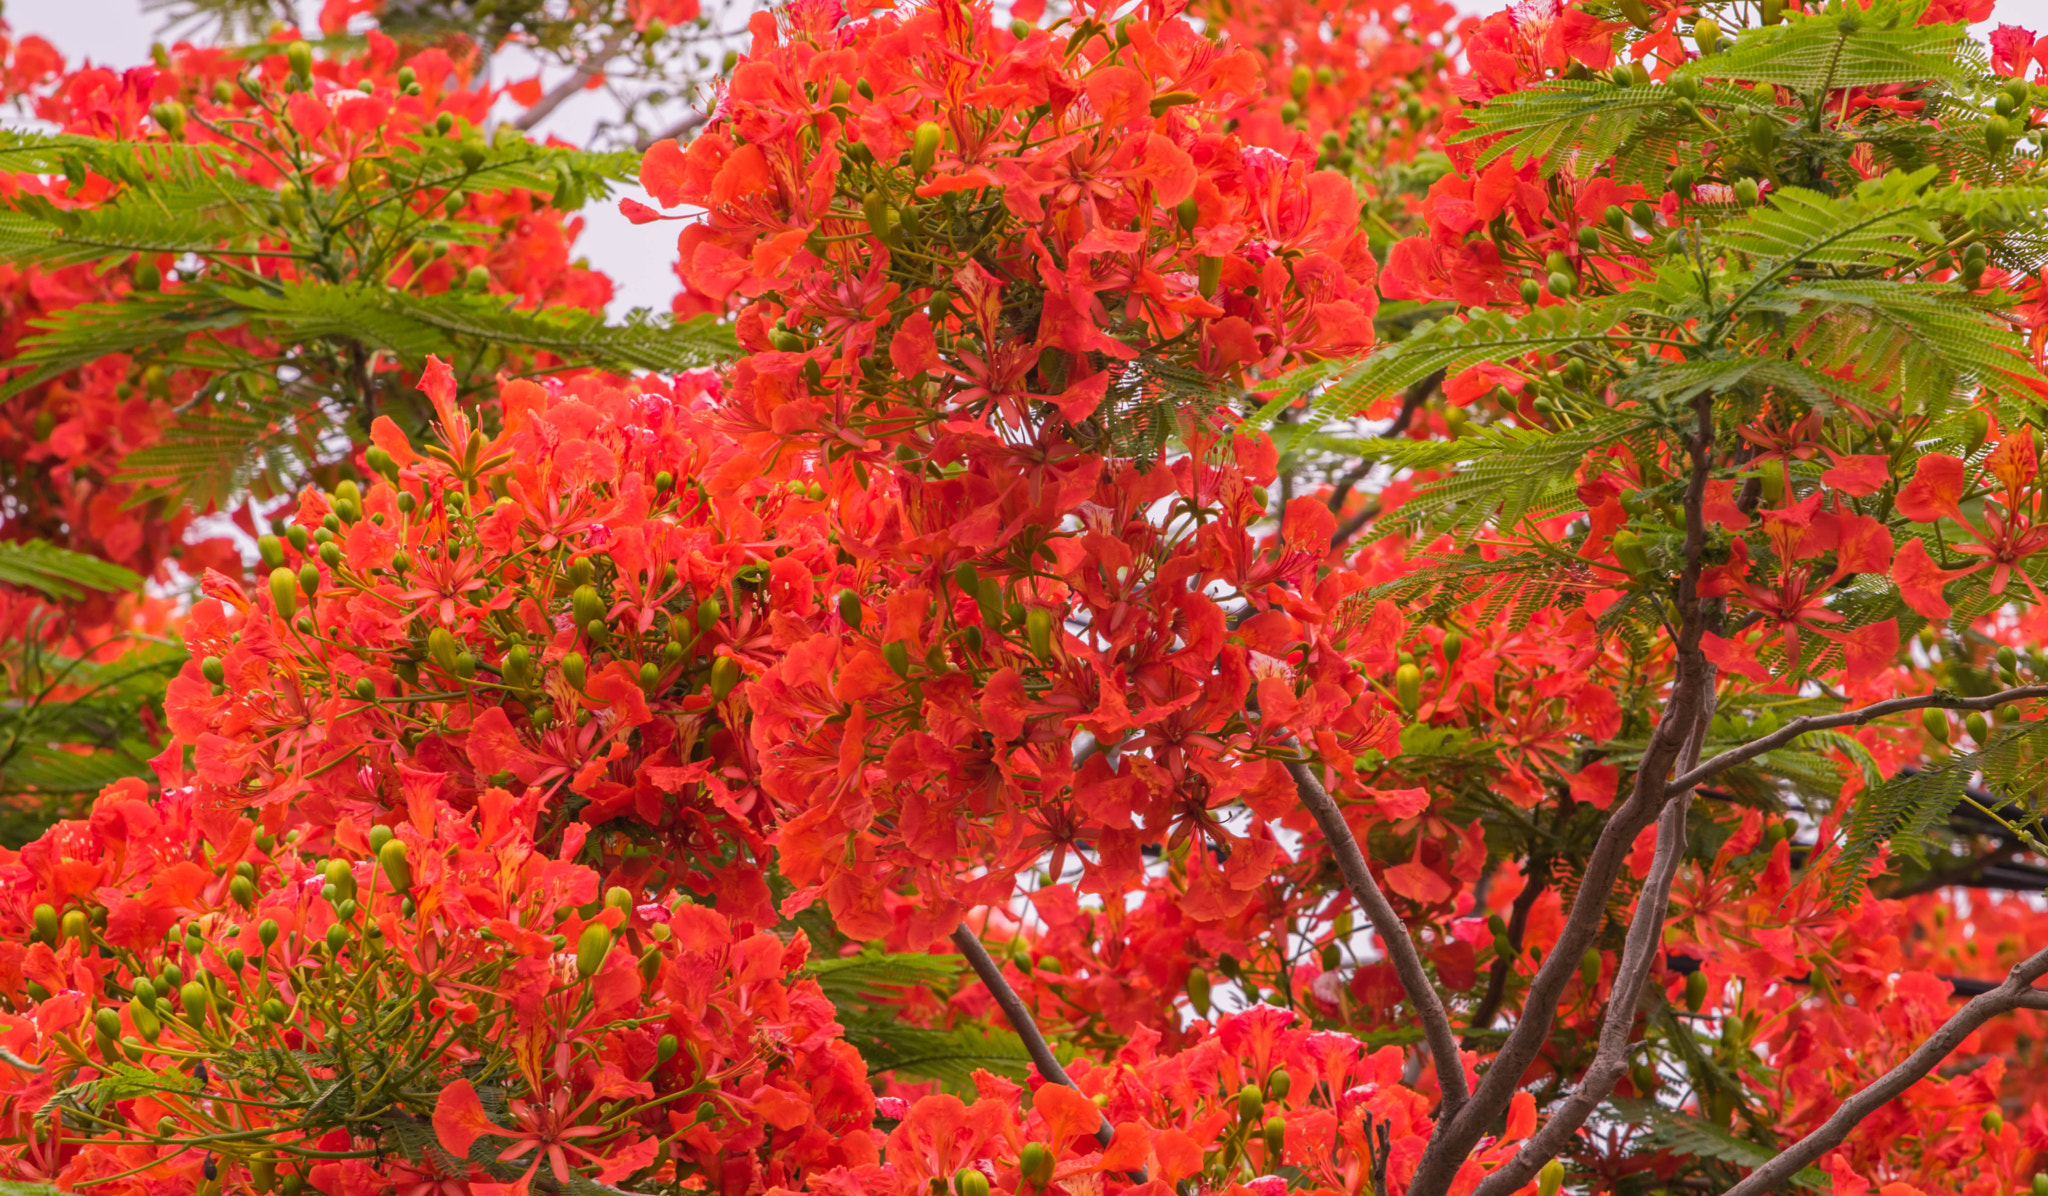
x: 1021, y: 1021
x: 2016, y: 992
x: 1692, y: 688
x: 574, y: 83
x: 1693, y: 777
x: 1638, y: 959
x: 1436, y: 1024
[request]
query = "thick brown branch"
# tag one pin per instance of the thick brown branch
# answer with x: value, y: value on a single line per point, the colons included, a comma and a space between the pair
x: 1436, y: 1024
x: 1632, y: 974
x: 1021, y: 1021
x: 2015, y: 993
x: 1692, y: 688
x: 1694, y: 777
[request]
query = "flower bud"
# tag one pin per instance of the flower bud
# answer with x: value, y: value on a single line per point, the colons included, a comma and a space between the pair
x: 725, y: 674
x: 243, y: 892
x: 1589, y: 968
x: 1035, y: 1163
x: 1935, y: 722
x: 591, y: 948
x: 1551, y: 1178
x: 969, y: 1181
x: 267, y: 931
x: 665, y: 1049
x: 147, y: 1023
x: 1038, y: 632
x: 1992, y: 1121
x: 1198, y: 991
x: 1298, y: 83
x: 1706, y: 34
x: 924, y: 146
x: 587, y: 604
x: 574, y: 670
x: 284, y: 592
x: 849, y: 609
x: 898, y: 657
x: 1275, y: 1134
x: 1251, y: 1104
x: 194, y: 997
x: 1408, y: 688
x: 391, y: 857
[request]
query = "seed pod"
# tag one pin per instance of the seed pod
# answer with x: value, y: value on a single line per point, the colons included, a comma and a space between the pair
x: 1589, y: 968
x: 1198, y: 991
x: 1408, y: 687
x: 573, y: 670
x: 1034, y: 1164
x: 392, y: 858
x: 924, y: 146
x: 1038, y: 632
x: 591, y: 948
x: 1279, y: 1084
x: 969, y: 1181
x: 284, y: 592
x: 725, y: 673
x: 1550, y: 1178
x: 1935, y: 722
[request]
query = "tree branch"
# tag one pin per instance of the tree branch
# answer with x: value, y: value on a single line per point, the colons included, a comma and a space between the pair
x: 2015, y: 993
x: 1632, y: 974
x: 1436, y: 1024
x: 1021, y: 1021
x: 1847, y: 718
x: 573, y: 84
x: 677, y: 129
x: 1692, y: 688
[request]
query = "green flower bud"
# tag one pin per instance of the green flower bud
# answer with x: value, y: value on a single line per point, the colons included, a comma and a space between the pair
x: 591, y: 948
x: 1251, y: 1104
x: 392, y: 858
x: 284, y: 592
x: 574, y: 670
x: 725, y: 674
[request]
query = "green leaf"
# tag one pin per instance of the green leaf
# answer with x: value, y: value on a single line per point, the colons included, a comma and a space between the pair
x: 60, y: 573
x: 1340, y: 389
x: 1685, y: 1134
x: 1813, y: 53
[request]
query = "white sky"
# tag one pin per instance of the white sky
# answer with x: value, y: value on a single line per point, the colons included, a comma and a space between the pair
x: 118, y: 33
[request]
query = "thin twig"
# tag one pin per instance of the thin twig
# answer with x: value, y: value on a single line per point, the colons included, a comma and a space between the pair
x: 1692, y: 778
x: 2017, y: 992
x: 1536, y: 880
x: 1021, y: 1021
x: 1436, y: 1024
x: 685, y: 125
x: 588, y: 70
